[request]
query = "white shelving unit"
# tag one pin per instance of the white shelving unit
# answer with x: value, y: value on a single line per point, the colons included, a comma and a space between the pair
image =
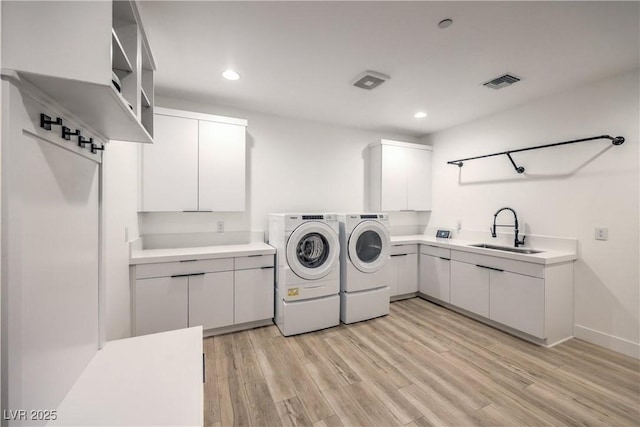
x: 71, y: 58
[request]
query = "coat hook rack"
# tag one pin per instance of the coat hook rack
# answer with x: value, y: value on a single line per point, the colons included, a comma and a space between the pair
x: 95, y: 148
x: 46, y: 122
x: 67, y: 134
x: 82, y: 142
x: 617, y: 140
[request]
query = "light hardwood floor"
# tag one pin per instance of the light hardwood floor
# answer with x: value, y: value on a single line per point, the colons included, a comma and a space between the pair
x: 421, y: 365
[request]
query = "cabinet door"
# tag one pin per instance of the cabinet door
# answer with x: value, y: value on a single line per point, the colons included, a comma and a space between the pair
x: 407, y: 273
x: 253, y: 294
x: 160, y: 304
x: 470, y: 287
x: 394, y: 178
x: 170, y: 166
x: 211, y: 300
x: 391, y: 272
x: 418, y: 179
x: 435, y: 276
x: 221, y: 167
x: 518, y: 301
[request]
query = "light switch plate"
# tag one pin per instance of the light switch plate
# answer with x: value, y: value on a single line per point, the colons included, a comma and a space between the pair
x: 602, y: 233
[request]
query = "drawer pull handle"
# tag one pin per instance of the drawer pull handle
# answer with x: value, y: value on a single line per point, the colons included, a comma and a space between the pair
x: 187, y: 275
x: 399, y: 254
x: 188, y: 260
x: 488, y: 268
x: 267, y: 266
x: 252, y: 256
x: 446, y: 259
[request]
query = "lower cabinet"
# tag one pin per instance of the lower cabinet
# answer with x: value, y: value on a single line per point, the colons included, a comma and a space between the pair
x: 160, y: 304
x: 209, y: 296
x: 470, y: 287
x: 177, y: 295
x: 253, y: 300
x: 403, y: 270
x: 518, y: 301
x: 435, y: 271
x: 532, y: 298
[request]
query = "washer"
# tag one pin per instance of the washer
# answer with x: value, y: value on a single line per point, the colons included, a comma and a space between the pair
x: 364, y: 282
x: 307, y: 271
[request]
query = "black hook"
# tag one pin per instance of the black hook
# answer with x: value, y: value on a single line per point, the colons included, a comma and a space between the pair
x: 95, y: 148
x: 82, y: 142
x: 67, y: 134
x: 46, y: 122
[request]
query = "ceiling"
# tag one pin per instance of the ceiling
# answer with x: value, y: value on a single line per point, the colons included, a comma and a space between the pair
x: 298, y: 59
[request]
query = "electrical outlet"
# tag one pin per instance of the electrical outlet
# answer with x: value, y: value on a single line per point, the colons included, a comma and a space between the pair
x: 220, y: 226
x: 602, y: 233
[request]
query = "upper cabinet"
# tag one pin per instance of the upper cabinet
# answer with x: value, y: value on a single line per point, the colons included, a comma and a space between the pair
x: 197, y: 163
x: 92, y: 57
x: 399, y: 176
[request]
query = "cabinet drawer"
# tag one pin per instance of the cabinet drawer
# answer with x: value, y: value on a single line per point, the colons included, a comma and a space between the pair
x: 520, y: 267
x: 163, y: 269
x: 254, y: 261
x: 435, y: 251
x: 404, y: 249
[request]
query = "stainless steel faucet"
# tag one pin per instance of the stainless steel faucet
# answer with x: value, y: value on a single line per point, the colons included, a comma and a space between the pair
x: 515, y: 217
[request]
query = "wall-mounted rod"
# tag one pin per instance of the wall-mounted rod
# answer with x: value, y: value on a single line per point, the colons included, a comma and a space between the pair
x: 617, y: 140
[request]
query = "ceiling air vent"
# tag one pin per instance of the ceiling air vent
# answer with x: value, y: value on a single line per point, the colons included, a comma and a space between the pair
x: 370, y: 80
x: 502, y: 81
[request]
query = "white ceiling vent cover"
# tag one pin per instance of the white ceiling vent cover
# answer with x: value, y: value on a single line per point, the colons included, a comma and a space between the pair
x: 370, y: 80
x: 502, y: 81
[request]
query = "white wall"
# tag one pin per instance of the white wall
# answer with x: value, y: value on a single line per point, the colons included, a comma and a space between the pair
x: 566, y: 191
x: 293, y: 166
x: 120, y: 194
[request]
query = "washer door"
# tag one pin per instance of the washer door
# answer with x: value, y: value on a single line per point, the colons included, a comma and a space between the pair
x: 312, y: 250
x: 369, y: 246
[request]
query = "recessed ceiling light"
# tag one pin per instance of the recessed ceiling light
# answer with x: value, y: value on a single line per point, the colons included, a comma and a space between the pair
x: 231, y: 75
x: 420, y: 115
x: 445, y: 23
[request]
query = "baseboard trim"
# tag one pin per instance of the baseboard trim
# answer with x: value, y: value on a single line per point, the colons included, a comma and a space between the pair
x: 236, y: 328
x: 619, y: 345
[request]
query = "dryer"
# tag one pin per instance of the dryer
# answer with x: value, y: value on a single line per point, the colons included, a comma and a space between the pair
x: 307, y: 271
x: 364, y: 282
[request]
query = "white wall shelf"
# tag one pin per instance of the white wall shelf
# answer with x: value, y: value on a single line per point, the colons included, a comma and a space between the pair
x: 101, y: 106
x: 105, y: 37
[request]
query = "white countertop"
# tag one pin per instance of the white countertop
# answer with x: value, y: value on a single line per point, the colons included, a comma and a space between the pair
x: 546, y: 257
x: 151, y: 380
x: 149, y: 256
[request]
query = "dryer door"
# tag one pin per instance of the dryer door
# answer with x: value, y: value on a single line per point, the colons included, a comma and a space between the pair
x: 312, y: 250
x: 369, y: 246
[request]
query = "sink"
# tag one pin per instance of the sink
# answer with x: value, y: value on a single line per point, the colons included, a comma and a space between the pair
x: 506, y: 248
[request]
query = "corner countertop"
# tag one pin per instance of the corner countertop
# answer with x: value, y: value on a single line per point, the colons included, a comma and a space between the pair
x: 546, y: 257
x: 121, y: 386
x: 149, y: 256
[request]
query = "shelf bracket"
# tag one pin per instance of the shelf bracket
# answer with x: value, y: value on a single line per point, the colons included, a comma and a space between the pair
x: 518, y: 169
